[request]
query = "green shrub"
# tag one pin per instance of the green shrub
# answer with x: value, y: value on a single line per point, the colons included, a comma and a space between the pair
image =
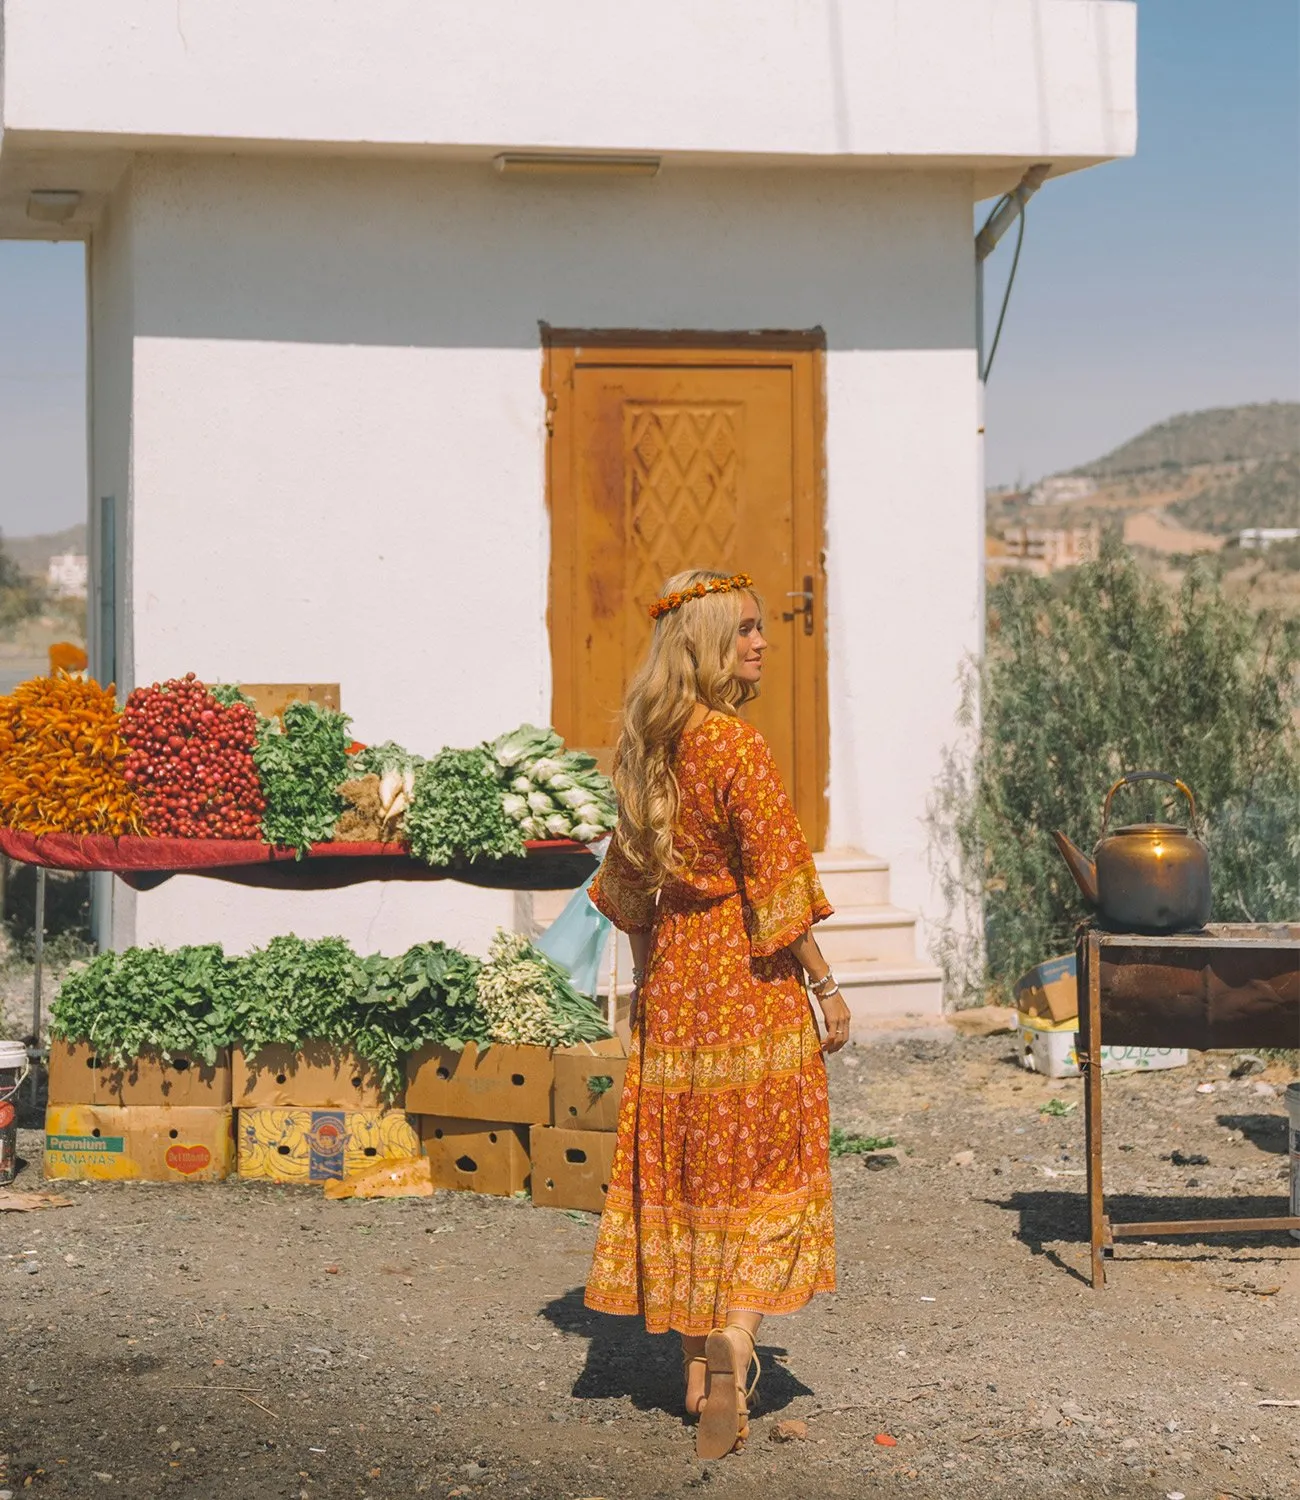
x: 1088, y: 675
x: 21, y: 596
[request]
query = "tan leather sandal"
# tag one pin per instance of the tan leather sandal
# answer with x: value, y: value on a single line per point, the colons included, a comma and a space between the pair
x: 689, y: 1361
x: 724, y: 1418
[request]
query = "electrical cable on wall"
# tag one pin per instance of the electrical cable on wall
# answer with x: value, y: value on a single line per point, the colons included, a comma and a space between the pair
x: 1011, y: 281
x: 1009, y: 206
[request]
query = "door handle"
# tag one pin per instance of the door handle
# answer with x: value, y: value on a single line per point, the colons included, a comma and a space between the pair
x: 806, y: 609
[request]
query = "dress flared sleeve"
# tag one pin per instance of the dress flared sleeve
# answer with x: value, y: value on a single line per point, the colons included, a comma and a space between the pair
x: 783, y: 894
x: 617, y: 892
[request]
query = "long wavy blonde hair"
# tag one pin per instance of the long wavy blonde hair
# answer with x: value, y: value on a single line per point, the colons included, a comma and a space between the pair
x: 692, y: 659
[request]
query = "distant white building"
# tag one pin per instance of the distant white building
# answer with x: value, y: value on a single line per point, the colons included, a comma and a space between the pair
x: 427, y: 339
x: 1061, y: 489
x: 1260, y: 538
x: 67, y: 575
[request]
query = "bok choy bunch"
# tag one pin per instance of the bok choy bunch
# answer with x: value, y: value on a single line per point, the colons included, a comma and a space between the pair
x: 551, y: 792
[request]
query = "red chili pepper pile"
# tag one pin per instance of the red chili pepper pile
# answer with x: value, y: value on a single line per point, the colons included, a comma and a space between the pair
x: 191, y: 764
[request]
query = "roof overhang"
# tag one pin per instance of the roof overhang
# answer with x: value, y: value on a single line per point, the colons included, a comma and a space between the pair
x: 985, y: 87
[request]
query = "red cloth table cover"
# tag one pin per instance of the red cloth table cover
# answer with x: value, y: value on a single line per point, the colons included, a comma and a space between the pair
x: 143, y: 863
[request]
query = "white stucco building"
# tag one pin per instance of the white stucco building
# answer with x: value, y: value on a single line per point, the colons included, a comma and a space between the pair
x: 335, y: 350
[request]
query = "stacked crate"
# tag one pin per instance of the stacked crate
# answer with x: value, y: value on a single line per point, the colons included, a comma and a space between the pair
x: 155, y: 1120
x: 492, y: 1122
x: 500, y: 1122
x: 313, y: 1114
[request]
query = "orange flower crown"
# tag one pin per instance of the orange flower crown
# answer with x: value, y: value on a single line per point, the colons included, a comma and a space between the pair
x: 670, y: 602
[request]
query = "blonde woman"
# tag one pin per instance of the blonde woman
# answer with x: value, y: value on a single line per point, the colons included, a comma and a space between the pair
x: 719, y: 1202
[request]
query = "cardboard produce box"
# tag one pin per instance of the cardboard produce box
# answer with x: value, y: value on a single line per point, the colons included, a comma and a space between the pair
x: 78, y: 1075
x: 315, y: 1145
x: 570, y: 1167
x: 506, y: 1083
x: 1051, y: 1048
x: 139, y: 1142
x: 589, y: 1087
x: 1049, y: 991
x: 476, y: 1156
x: 315, y: 1075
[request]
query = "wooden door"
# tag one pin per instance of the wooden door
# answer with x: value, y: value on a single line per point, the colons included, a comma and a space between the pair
x: 690, y: 453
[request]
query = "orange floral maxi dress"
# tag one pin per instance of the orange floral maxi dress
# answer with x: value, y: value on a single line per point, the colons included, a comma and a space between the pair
x: 720, y: 1192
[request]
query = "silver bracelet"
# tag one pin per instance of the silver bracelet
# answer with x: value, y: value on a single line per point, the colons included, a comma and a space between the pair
x: 638, y: 975
x: 824, y: 987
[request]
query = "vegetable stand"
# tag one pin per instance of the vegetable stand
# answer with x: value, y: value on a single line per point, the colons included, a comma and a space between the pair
x: 143, y: 863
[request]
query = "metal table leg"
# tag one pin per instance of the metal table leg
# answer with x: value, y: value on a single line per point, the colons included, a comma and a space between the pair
x: 1089, y: 982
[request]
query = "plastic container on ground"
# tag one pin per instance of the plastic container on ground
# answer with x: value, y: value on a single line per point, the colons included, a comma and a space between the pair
x: 13, y: 1069
x: 1293, y: 1137
x: 1050, y: 1049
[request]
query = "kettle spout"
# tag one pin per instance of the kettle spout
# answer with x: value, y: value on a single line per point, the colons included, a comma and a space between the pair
x: 1081, y: 867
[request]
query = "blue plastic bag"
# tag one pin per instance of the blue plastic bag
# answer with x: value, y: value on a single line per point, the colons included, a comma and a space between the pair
x: 576, y: 941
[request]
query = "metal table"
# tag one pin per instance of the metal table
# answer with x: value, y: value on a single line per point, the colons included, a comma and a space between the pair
x: 1229, y: 985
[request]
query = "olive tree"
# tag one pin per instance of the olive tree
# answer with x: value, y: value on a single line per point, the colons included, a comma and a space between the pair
x: 1086, y: 675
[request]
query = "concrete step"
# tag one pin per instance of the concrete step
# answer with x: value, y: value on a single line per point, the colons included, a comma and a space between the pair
x: 851, y: 878
x: 876, y: 992
x: 867, y: 935
x: 873, y: 994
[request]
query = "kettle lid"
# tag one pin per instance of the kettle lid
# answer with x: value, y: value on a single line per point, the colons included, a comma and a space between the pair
x: 1172, y: 830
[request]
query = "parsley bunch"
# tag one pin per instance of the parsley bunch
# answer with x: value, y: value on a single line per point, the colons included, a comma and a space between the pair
x: 295, y: 990
x: 456, y: 812
x: 124, y: 1003
x: 301, y: 764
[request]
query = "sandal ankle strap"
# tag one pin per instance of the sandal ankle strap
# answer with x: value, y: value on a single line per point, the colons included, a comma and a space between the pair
x: 753, y: 1356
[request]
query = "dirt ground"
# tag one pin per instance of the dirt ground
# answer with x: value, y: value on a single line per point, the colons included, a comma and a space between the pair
x: 241, y: 1340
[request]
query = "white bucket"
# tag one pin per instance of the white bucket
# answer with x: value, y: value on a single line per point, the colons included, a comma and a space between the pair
x: 13, y: 1069
x: 1293, y: 1135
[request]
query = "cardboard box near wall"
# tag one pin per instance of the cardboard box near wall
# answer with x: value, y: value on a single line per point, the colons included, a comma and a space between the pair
x: 140, y: 1143
x: 588, y: 1088
x: 315, y: 1145
x: 570, y: 1167
x: 476, y: 1156
x: 316, y: 1075
x: 506, y: 1083
x: 1049, y: 990
x: 272, y: 698
x: 78, y: 1075
x: 1051, y: 1049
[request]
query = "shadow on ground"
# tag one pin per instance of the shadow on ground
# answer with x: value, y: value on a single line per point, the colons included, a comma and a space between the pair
x: 1267, y: 1132
x: 624, y: 1360
x: 1050, y: 1217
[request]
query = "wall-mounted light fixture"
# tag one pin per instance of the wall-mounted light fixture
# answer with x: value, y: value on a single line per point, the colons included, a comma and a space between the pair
x: 558, y: 163
x: 52, y: 205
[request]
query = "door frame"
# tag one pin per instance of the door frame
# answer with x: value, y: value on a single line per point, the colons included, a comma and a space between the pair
x: 563, y: 349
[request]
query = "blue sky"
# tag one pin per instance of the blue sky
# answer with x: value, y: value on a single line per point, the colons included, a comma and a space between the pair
x: 1145, y: 288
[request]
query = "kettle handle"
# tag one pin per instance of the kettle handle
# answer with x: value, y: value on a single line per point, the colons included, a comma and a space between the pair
x: 1147, y: 776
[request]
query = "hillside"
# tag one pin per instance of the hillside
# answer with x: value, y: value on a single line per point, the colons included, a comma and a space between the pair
x: 1266, y: 493
x: 1180, y: 490
x: 1222, y: 435
x: 33, y: 553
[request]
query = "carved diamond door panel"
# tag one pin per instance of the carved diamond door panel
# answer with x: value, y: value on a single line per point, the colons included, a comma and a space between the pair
x: 671, y: 458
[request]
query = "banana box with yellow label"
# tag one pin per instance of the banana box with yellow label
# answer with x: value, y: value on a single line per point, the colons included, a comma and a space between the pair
x: 320, y: 1145
x: 138, y: 1143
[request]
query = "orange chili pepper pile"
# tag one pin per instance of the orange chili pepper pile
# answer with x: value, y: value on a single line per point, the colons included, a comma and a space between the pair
x: 62, y: 759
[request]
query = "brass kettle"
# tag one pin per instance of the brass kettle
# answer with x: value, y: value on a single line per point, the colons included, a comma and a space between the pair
x: 1146, y: 877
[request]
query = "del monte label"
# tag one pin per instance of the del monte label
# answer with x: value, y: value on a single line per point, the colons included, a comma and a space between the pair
x: 188, y: 1159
